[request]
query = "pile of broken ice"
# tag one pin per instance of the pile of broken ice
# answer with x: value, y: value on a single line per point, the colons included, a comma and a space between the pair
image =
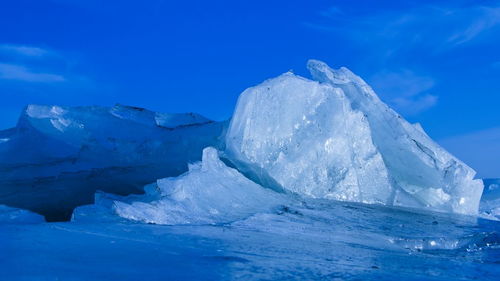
x: 290, y: 138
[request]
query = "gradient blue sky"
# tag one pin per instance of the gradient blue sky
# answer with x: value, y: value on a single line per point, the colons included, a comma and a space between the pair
x: 436, y: 62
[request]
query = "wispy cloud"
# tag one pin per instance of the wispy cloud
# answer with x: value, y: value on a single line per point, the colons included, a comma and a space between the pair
x: 433, y: 27
x: 415, y: 105
x: 485, y: 18
x: 22, y: 50
x: 22, y: 73
x: 406, y: 40
x: 405, y: 90
x: 31, y: 64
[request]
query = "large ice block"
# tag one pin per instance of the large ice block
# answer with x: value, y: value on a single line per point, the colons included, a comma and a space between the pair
x: 57, y: 157
x: 334, y: 138
x: 299, y: 135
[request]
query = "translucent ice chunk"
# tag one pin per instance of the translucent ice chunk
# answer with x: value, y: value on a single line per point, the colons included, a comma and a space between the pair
x: 335, y: 138
x: 295, y: 134
x: 210, y: 193
x: 56, y: 157
x: 179, y: 120
x: 411, y: 156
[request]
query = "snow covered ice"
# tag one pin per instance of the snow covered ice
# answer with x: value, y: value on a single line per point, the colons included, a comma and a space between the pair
x: 322, y: 240
x: 334, y: 138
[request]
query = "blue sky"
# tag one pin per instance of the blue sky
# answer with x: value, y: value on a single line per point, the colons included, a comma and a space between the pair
x: 435, y: 62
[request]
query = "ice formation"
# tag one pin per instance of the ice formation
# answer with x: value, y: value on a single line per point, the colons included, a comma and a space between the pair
x: 329, y: 138
x: 334, y: 138
x: 209, y: 193
x: 57, y: 157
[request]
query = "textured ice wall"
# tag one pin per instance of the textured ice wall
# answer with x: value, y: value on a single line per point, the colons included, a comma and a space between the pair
x: 210, y: 192
x: 423, y: 172
x: 57, y: 157
x: 303, y: 136
x: 334, y: 138
x: 126, y: 135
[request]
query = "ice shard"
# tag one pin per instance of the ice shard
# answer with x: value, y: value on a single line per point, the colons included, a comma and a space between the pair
x: 209, y: 193
x: 334, y: 138
x: 295, y: 134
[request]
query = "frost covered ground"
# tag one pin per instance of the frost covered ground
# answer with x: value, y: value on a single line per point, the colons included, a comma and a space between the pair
x: 310, y: 180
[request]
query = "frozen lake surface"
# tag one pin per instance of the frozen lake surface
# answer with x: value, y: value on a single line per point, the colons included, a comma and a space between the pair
x: 317, y: 240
